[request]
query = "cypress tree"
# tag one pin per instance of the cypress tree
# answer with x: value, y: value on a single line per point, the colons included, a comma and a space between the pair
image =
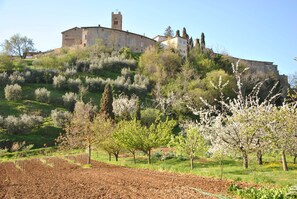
x: 106, y: 109
x: 138, y: 111
x: 177, y: 34
x: 202, y: 41
x: 191, y: 43
x: 184, y: 33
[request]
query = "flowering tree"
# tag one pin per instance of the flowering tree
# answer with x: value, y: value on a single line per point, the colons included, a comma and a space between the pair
x: 125, y: 107
x: 237, y: 123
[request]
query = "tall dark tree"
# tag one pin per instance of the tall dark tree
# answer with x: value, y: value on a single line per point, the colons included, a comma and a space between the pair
x: 177, y: 34
x: 18, y: 45
x: 106, y: 109
x: 191, y: 44
x: 197, y: 43
x: 202, y: 41
x: 138, y: 111
x: 184, y: 33
x: 168, y: 32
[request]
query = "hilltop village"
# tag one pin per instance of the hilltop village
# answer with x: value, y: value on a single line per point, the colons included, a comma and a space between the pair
x: 116, y: 38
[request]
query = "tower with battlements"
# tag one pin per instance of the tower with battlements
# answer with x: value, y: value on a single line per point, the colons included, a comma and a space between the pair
x: 116, y: 21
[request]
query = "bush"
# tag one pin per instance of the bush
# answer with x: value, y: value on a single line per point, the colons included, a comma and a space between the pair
x: 42, y: 95
x: 112, y: 63
x: 21, y: 124
x: 70, y: 72
x: 95, y: 84
x: 73, y: 84
x: 16, y: 78
x: 13, y: 92
x: 60, y: 118
x: 4, y: 79
x: 82, y: 65
x: 40, y: 76
x: 126, y: 72
x: 59, y: 82
x: 69, y: 100
x: 1, y: 122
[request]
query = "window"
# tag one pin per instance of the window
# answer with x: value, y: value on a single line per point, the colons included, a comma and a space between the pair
x: 115, y: 23
x: 85, y: 44
x: 85, y: 36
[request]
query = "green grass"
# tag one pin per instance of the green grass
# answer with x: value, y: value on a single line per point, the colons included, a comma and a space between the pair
x: 268, y: 174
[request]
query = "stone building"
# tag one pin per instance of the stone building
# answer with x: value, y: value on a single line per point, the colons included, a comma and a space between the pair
x: 113, y: 37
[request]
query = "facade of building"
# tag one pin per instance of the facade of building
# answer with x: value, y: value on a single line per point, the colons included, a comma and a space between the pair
x: 114, y: 37
x: 178, y: 43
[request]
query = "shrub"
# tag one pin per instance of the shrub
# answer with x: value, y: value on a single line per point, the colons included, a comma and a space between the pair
x: 16, y: 78
x: 1, y: 122
x: 59, y: 81
x: 126, y: 72
x: 13, y: 92
x: 21, y: 124
x: 73, y: 84
x: 141, y: 81
x: 113, y: 63
x: 69, y: 100
x: 42, y: 95
x: 95, y: 84
x: 82, y: 65
x: 40, y: 76
x: 3, y: 79
x: 60, y: 118
x: 70, y: 72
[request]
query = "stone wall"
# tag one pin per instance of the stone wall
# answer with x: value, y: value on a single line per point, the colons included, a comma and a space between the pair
x: 115, y: 39
x: 71, y: 37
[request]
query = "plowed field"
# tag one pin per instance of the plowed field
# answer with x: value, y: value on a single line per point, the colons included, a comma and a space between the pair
x: 60, y: 178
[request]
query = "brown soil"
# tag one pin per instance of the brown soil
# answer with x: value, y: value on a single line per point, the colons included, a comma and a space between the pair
x: 59, y: 178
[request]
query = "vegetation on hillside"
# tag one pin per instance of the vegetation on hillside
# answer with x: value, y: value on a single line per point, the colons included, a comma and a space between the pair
x: 198, y: 106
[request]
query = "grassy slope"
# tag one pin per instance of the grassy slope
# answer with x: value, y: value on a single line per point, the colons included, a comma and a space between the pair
x: 268, y: 174
x: 47, y: 133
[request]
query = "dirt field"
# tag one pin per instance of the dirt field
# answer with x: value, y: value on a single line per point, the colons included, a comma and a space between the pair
x: 60, y: 178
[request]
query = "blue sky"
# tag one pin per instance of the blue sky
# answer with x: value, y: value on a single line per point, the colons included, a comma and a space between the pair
x: 255, y: 29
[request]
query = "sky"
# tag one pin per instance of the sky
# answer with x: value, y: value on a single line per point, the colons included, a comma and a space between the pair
x: 264, y: 30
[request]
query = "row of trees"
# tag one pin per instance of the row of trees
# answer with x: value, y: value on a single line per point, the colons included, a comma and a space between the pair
x: 247, y: 124
x: 89, y: 128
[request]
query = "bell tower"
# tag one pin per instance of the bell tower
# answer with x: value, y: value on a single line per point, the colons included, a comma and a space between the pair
x: 116, y: 21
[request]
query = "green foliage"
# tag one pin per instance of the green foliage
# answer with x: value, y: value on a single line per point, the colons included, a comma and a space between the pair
x: 6, y: 63
x: 168, y: 32
x: 160, y: 64
x: 106, y: 109
x: 18, y: 45
x: 189, y: 144
x: 263, y: 193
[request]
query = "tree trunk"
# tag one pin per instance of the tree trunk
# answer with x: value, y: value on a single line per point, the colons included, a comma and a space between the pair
x: 260, y: 157
x: 221, y: 167
x: 284, y: 160
x: 192, y: 162
x: 89, y: 154
x: 116, y: 155
x: 149, y: 156
x: 295, y: 157
x: 245, y: 160
x: 109, y: 157
x: 134, y: 157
